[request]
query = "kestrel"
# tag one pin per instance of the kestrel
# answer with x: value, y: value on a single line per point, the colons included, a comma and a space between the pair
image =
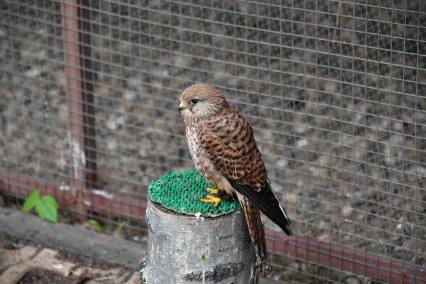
x: 224, y: 151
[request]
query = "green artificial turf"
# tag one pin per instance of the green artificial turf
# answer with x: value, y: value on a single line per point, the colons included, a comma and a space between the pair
x: 181, y: 192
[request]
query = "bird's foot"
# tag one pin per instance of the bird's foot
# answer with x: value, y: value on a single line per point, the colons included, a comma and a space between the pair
x: 211, y: 199
x: 262, y: 267
x: 212, y: 190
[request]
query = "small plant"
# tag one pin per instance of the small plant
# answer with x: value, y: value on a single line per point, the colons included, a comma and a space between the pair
x: 105, y: 228
x: 46, y: 207
x: 96, y: 225
x: 120, y: 226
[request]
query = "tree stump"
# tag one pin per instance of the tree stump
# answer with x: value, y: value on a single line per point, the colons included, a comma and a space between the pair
x: 188, y: 249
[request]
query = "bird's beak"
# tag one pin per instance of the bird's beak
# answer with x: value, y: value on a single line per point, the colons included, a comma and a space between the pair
x: 182, y: 106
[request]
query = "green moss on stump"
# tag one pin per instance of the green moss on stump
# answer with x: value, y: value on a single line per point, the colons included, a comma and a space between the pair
x: 181, y: 192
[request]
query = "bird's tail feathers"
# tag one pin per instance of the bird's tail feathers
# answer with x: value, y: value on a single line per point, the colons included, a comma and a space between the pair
x: 255, y: 226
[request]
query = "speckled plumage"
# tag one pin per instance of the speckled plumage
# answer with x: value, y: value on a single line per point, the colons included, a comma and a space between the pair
x: 224, y: 150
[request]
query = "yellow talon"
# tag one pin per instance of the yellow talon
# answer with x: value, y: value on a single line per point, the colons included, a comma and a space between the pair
x: 211, y: 199
x: 212, y: 190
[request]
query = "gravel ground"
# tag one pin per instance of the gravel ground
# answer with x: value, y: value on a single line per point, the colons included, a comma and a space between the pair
x: 343, y: 135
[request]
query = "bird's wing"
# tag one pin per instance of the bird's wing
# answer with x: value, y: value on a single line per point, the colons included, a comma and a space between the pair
x: 228, y: 141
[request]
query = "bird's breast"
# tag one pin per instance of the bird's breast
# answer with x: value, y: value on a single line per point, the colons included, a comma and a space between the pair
x: 193, y: 144
x: 201, y: 160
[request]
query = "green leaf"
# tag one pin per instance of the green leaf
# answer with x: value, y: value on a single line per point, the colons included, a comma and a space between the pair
x: 47, y: 209
x: 98, y: 227
x: 120, y: 226
x: 51, y: 200
x: 32, y: 200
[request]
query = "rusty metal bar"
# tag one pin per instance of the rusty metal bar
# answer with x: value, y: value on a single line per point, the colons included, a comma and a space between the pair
x: 74, y: 92
x: 351, y: 260
x: 331, y: 255
x: 81, y: 101
x: 88, y: 78
x: 94, y: 201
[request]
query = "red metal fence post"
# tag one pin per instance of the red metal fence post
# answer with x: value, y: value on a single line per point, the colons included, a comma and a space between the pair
x: 88, y: 77
x: 80, y: 98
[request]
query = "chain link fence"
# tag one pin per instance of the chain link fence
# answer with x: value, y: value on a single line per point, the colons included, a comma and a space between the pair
x: 334, y: 90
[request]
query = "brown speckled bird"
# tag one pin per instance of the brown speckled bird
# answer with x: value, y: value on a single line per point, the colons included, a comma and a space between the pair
x: 224, y: 150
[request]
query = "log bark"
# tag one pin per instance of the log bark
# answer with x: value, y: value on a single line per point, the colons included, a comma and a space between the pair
x: 189, y: 249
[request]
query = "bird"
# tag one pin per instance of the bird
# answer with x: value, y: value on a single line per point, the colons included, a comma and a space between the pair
x: 224, y: 150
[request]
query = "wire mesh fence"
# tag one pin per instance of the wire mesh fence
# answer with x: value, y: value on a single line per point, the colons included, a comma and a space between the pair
x: 334, y: 90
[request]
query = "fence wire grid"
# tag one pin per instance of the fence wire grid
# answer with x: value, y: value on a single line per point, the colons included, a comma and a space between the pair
x: 334, y: 90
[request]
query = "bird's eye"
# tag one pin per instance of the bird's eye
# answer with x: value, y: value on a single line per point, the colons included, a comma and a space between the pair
x: 194, y: 101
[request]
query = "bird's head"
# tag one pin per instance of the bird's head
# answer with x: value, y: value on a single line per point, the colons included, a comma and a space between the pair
x: 201, y: 100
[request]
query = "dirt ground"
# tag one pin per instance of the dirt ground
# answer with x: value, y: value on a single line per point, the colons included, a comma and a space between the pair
x: 23, y: 262
x: 36, y: 251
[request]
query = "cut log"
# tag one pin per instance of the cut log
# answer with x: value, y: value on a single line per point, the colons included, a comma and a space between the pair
x: 190, y: 249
